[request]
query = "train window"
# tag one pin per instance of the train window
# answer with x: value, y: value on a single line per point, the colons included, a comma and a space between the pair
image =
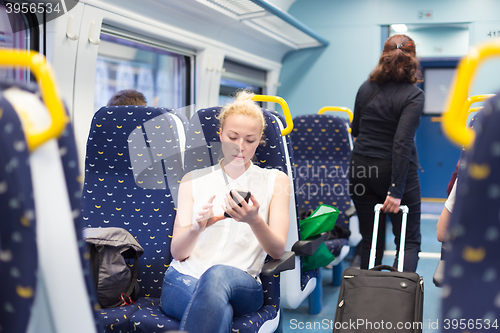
x: 236, y: 76
x: 436, y: 85
x: 17, y: 31
x: 160, y: 74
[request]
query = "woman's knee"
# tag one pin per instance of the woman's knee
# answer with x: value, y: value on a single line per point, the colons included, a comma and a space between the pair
x: 217, y: 273
x: 216, y: 277
x: 226, y: 280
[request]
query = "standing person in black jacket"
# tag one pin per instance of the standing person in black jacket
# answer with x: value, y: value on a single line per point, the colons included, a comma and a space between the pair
x: 384, y: 161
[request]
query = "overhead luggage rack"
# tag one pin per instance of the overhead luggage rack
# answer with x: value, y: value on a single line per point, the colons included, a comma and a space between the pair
x: 270, y: 20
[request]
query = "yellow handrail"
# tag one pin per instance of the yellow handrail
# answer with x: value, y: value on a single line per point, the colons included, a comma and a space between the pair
x: 474, y: 109
x: 45, y: 77
x: 471, y: 100
x: 284, y: 107
x: 337, y: 108
x: 453, y: 118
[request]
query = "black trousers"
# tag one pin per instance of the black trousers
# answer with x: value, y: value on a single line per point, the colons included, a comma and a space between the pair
x: 370, y: 179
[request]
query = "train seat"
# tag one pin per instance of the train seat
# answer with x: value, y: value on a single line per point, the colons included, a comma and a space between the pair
x: 309, y: 282
x: 132, y: 170
x: 19, y: 255
x: 322, y: 148
x: 48, y: 176
x: 471, y: 257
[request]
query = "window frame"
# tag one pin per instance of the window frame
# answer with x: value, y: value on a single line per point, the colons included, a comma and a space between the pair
x: 32, y: 40
x: 149, y: 42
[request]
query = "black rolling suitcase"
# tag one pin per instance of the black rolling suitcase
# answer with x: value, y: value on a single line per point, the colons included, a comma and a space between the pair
x: 376, y: 300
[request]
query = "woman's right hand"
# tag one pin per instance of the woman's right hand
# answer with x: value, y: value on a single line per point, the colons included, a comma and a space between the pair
x: 206, y: 216
x: 391, y: 205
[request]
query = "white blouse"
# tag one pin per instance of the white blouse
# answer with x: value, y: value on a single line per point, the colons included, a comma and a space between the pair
x: 228, y: 242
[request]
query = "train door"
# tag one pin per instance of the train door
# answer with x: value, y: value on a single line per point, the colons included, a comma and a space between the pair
x: 438, y: 157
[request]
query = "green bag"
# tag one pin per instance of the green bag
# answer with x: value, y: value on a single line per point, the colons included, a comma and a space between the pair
x: 322, y: 220
x: 321, y: 258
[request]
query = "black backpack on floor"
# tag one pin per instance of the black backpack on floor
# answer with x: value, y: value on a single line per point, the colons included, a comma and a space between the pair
x: 110, y: 250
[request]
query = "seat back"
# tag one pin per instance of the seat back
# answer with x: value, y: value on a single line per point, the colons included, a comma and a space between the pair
x: 52, y: 169
x: 18, y: 250
x: 472, y: 254
x: 322, y: 148
x: 132, y: 170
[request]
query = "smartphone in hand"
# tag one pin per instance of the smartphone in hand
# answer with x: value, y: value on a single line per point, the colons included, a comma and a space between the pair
x: 244, y: 194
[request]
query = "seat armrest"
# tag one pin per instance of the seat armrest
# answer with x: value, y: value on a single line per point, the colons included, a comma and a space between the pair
x: 275, y: 266
x: 350, y: 212
x: 438, y: 276
x: 305, y: 248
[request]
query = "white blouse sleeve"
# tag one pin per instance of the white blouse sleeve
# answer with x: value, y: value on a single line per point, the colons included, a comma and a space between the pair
x: 451, y: 198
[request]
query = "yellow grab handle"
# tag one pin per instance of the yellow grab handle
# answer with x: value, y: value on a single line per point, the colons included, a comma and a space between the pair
x: 337, y: 108
x: 471, y: 100
x: 45, y: 77
x: 453, y: 118
x: 474, y: 109
x: 284, y: 107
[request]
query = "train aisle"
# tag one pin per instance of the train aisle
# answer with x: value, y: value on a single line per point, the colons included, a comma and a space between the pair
x: 298, y: 320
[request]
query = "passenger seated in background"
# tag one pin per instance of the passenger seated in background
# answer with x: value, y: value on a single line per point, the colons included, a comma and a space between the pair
x: 127, y: 97
x: 444, y: 218
x: 217, y: 260
x: 384, y: 161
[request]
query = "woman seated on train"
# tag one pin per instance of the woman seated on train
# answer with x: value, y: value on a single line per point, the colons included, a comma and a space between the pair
x: 217, y: 259
x: 444, y: 218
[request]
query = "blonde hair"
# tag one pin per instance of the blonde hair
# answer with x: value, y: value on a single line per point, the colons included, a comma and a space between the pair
x: 243, y: 105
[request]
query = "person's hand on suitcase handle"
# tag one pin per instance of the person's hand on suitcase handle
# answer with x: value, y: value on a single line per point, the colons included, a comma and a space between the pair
x: 378, y: 209
x: 391, y: 205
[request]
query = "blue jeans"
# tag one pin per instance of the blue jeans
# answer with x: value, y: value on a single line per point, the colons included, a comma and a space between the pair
x: 210, y: 303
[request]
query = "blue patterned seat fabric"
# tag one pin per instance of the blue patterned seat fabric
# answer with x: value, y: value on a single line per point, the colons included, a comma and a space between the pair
x: 322, y: 150
x: 18, y: 250
x: 471, y: 289
x: 14, y: 150
x: 132, y: 170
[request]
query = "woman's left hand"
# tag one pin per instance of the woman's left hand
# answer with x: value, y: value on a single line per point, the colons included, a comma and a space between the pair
x: 246, y: 213
x: 391, y: 205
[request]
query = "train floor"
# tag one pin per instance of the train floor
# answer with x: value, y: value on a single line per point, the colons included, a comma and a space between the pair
x: 299, y: 320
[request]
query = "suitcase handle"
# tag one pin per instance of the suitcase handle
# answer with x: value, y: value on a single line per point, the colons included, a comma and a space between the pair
x: 382, y: 267
x: 402, y: 208
x: 373, y: 249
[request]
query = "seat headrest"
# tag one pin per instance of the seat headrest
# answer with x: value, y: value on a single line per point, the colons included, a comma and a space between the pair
x: 320, y: 137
